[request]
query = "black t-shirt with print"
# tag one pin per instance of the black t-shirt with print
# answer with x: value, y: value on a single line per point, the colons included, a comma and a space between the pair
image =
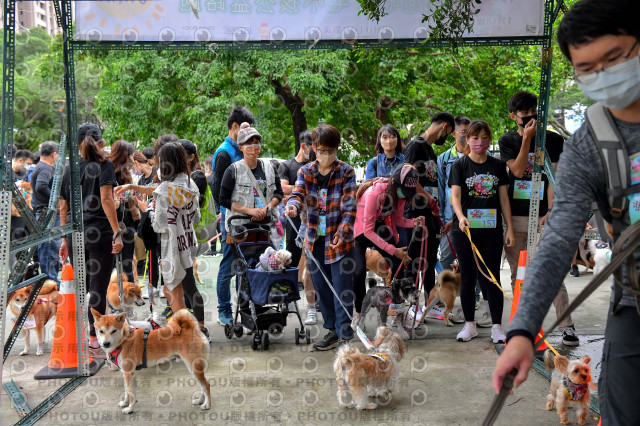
x: 146, y: 181
x: 288, y: 170
x: 421, y: 155
x: 229, y: 183
x: 479, y: 184
x: 520, y: 188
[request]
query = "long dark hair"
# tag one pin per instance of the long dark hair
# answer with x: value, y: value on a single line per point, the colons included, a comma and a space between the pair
x: 391, y: 195
x: 394, y: 132
x: 91, y: 151
x: 121, y: 162
x: 173, y: 161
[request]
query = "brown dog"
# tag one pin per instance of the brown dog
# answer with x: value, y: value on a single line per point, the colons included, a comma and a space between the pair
x: 379, y: 266
x: 446, y: 289
x: 132, y: 295
x: 42, y: 311
x: 570, y: 381
x: 126, y: 349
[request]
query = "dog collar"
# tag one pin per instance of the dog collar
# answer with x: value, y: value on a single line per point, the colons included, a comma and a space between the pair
x: 574, y: 391
x: 114, y: 310
x: 113, y: 356
x: 381, y: 356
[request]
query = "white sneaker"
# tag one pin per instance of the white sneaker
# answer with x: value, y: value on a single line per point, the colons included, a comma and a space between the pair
x: 458, y: 317
x: 485, y: 320
x: 311, y: 316
x: 497, y: 335
x: 436, y: 313
x: 468, y: 332
x: 161, y: 292
x: 145, y: 292
x: 155, y: 292
x: 355, y: 321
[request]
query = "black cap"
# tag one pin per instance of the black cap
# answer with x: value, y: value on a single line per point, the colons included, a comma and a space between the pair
x: 188, y: 146
x: 89, y: 129
x: 407, y: 178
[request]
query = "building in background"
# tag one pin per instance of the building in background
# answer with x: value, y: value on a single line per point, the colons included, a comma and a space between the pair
x: 36, y: 14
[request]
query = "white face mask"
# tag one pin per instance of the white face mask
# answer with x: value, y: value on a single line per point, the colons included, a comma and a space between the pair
x: 305, y: 154
x: 326, y: 159
x: 617, y: 87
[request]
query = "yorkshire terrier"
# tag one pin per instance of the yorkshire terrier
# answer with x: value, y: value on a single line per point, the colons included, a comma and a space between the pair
x: 570, y: 381
x: 360, y: 376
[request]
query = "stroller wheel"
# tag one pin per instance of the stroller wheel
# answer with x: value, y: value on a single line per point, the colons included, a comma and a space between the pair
x: 265, y: 341
x: 308, y: 338
x: 228, y: 332
x: 237, y: 330
x: 275, y: 328
x: 255, y: 342
x: 297, y: 336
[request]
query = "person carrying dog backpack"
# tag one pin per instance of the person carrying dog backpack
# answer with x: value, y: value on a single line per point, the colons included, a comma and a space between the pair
x: 600, y: 163
x: 380, y: 212
x: 480, y: 202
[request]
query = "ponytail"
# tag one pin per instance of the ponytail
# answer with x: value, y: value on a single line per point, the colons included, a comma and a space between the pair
x: 91, y: 151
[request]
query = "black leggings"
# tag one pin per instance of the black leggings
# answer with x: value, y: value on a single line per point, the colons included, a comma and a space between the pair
x: 489, y: 243
x: 192, y: 295
x: 128, y: 242
x: 360, y: 257
x: 152, y: 267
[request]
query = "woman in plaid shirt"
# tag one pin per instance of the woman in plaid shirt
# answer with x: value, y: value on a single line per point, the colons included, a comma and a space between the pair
x: 327, y: 187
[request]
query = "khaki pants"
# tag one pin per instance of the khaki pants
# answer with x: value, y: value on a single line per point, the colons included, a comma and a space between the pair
x: 520, y: 229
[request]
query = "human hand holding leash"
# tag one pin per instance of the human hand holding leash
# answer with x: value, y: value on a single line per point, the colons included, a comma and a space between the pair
x: 517, y: 354
x: 291, y: 211
x: 463, y: 222
x: 337, y: 242
x: 401, y: 253
x: 418, y: 221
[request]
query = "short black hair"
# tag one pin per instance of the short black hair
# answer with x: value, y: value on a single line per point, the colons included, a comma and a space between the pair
x: 590, y: 19
x: 23, y: 154
x: 462, y: 120
x: 305, y: 137
x: 240, y: 114
x: 48, y: 148
x: 148, y: 152
x: 444, y: 117
x: 208, y: 161
x: 522, y: 101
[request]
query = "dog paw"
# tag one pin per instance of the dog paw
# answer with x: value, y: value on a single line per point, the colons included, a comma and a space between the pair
x: 127, y: 410
x: 371, y: 406
x: 122, y: 404
x: 205, y: 406
x: 449, y: 324
x: 39, y: 352
x: 24, y: 352
x: 198, y: 400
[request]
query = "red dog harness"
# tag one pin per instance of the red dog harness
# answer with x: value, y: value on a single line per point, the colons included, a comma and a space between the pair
x: 113, y: 355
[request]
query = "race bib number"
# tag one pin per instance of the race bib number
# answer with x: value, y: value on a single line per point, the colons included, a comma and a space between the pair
x: 522, y: 190
x: 257, y: 202
x: 432, y: 190
x: 30, y: 322
x: 634, y: 199
x: 322, y: 226
x: 482, y: 218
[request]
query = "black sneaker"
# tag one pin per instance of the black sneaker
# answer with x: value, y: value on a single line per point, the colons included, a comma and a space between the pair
x: 206, y: 334
x: 329, y: 342
x: 569, y: 337
x: 209, y: 253
x: 168, y: 312
x: 574, y: 271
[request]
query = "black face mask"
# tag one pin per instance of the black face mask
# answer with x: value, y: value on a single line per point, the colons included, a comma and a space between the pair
x: 527, y: 119
x: 442, y: 140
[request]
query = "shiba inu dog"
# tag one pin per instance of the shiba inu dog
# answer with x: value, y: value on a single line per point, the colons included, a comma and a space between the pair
x: 132, y: 295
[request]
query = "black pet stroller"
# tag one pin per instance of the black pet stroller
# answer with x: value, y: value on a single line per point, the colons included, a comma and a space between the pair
x: 263, y: 296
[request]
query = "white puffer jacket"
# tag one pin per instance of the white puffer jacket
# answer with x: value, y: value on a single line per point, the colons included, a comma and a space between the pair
x: 177, y: 211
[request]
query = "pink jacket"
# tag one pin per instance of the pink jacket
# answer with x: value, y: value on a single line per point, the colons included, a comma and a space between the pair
x: 369, y: 209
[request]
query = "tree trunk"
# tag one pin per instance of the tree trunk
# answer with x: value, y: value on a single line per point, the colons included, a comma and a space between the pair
x: 294, y: 104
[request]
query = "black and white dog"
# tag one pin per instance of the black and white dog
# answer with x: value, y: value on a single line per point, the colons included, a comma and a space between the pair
x: 390, y: 298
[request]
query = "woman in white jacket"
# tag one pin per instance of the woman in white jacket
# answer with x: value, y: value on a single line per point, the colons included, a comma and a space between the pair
x: 177, y: 210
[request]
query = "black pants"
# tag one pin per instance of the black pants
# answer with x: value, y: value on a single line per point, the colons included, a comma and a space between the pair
x: 620, y: 368
x: 290, y: 242
x: 360, y: 257
x: 489, y: 243
x: 98, y: 262
x: 192, y: 295
x: 416, y: 238
x: 128, y: 242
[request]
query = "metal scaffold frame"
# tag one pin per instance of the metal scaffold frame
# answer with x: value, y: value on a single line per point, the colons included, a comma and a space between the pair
x: 43, y: 229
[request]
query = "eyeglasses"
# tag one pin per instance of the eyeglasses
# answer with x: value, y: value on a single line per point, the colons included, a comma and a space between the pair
x: 591, y: 75
x: 326, y: 151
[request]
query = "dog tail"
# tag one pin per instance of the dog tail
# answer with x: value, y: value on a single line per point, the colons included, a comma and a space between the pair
x: 184, y: 319
x: 372, y: 282
x: 548, y: 360
x: 48, y: 287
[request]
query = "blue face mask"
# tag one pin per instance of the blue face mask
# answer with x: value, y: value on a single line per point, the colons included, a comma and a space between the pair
x: 616, y: 87
x: 399, y: 192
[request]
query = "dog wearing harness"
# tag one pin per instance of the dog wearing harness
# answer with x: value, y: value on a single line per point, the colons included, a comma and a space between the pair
x: 570, y: 382
x: 133, y: 349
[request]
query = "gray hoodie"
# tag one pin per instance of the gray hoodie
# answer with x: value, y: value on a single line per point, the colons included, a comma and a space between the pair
x: 177, y: 210
x: 580, y: 180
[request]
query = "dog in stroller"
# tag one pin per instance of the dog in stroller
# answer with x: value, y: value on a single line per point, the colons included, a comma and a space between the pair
x: 263, y: 297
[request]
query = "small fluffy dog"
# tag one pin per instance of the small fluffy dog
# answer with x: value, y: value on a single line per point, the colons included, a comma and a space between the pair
x: 379, y: 266
x: 362, y: 375
x: 601, y: 255
x: 42, y: 311
x: 570, y: 381
x: 382, y: 298
x: 132, y: 295
x: 272, y: 260
x: 126, y: 348
x: 446, y: 289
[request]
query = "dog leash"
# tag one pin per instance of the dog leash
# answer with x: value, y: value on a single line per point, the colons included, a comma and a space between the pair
x: 361, y: 335
x: 119, y: 272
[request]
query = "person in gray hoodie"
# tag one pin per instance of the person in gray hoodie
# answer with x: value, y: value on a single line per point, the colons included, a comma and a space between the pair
x: 602, y: 41
x: 176, y: 211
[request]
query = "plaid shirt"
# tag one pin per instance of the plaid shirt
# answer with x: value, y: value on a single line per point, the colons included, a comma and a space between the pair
x: 340, y: 211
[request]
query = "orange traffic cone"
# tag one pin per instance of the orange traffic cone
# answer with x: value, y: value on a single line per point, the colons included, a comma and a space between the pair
x: 522, y: 266
x: 63, y: 362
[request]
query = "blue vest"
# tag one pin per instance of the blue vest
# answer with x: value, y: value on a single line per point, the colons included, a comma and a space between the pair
x: 231, y: 147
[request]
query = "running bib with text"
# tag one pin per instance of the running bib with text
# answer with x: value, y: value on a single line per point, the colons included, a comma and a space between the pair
x: 522, y: 190
x: 482, y: 218
x: 634, y: 199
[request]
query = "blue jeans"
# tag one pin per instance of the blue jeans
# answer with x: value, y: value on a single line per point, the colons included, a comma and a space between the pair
x: 340, y: 274
x: 49, y: 254
x: 224, y: 273
x: 446, y: 259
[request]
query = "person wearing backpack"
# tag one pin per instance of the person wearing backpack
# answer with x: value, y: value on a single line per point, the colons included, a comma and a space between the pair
x: 380, y: 211
x: 602, y: 41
